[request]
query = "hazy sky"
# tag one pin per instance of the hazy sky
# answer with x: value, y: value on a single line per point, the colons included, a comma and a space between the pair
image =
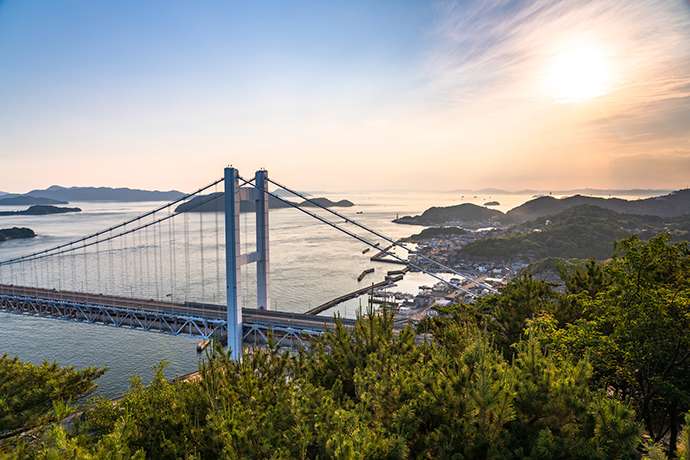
x: 346, y: 94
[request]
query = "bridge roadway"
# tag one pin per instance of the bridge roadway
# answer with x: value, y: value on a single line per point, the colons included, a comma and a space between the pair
x: 198, y: 319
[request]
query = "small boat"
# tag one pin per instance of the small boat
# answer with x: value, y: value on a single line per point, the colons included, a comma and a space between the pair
x: 201, y: 345
x: 366, y: 250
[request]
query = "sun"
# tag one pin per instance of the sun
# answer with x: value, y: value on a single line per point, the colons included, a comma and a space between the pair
x: 579, y: 72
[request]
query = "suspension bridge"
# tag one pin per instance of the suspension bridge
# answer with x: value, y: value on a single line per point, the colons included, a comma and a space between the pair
x: 174, y: 270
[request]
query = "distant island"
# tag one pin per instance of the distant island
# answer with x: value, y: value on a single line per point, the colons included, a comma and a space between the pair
x: 15, y: 233
x: 66, y: 194
x: 325, y: 202
x: 466, y: 214
x: 215, y: 202
x: 492, y: 203
x: 26, y: 200
x: 40, y: 210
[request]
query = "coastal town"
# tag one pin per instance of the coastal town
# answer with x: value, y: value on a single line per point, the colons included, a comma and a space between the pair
x: 464, y: 284
x: 469, y: 251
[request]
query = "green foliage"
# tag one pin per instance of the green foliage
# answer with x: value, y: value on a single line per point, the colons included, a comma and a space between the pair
x: 528, y: 373
x: 635, y: 327
x: 507, y: 313
x: 368, y: 393
x: 590, y: 279
x: 158, y: 420
x: 28, y: 392
x: 684, y: 444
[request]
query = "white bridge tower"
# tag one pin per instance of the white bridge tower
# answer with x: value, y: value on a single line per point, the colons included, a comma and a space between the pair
x: 234, y: 259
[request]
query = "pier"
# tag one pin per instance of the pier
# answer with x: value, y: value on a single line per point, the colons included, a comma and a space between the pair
x: 351, y: 295
x: 381, y: 256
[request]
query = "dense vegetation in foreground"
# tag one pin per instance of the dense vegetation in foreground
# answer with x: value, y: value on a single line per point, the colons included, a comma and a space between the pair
x: 601, y: 371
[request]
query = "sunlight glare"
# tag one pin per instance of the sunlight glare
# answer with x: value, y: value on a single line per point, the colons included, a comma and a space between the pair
x: 579, y: 72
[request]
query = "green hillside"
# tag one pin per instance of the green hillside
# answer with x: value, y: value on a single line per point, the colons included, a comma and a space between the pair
x: 580, y: 232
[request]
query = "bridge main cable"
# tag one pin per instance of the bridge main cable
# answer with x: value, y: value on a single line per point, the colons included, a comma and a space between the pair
x: 42, y: 254
x: 380, y: 235
x: 94, y: 235
x: 357, y: 237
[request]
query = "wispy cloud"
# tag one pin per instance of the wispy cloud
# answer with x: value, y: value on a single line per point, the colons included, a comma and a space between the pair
x: 492, y: 57
x: 496, y: 46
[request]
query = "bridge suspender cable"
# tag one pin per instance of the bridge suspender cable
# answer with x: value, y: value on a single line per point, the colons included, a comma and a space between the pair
x: 134, y: 219
x: 201, y: 252
x: 42, y: 254
x: 384, y: 237
x: 357, y: 237
x: 171, y: 259
x: 185, y: 228
x: 217, y: 295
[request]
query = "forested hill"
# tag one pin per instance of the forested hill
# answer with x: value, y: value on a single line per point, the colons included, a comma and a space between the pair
x: 579, y: 232
x: 674, y: 204
x: 466, y: 214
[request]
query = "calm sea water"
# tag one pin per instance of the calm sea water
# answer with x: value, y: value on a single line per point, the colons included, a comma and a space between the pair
x: 310, y: 264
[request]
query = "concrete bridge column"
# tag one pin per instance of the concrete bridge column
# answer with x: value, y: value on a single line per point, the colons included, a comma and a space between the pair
x: 262, y: 251
x: 232, y: 262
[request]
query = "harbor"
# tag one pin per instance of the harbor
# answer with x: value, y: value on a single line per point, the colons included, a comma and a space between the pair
x: 354, y: 294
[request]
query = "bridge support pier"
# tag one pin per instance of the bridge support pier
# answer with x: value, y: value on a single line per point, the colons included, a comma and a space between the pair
x: 232, y: 262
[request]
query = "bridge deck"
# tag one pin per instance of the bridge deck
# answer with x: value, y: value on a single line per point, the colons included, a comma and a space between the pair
x: 204, y: 320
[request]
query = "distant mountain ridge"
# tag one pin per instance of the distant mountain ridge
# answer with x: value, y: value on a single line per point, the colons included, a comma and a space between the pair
x: 25, y: 200
x: 674, y: 204
x: 57, y: 192
x: 574, y: 191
